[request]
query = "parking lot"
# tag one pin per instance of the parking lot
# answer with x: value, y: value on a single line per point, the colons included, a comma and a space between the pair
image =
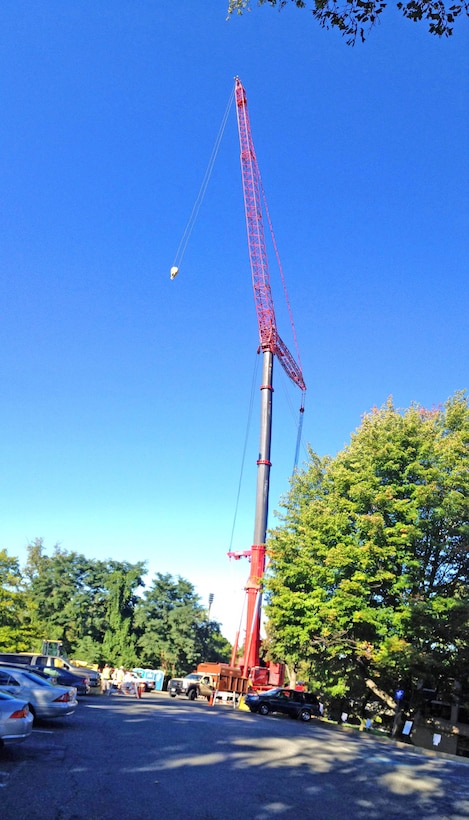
x: 163, y: 758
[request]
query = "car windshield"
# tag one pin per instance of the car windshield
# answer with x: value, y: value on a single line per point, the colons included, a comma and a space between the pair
x: 271, y: 692
x: 194, y: 677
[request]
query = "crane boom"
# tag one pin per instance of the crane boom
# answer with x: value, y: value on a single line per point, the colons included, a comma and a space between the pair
x: 271, y: 345
x: 269, y: 338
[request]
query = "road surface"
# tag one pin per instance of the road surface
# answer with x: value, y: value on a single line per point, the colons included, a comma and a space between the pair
x: 120, y: 758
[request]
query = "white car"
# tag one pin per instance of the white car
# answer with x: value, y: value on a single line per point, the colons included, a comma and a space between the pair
x: 16, y: 721
x: 45, y: 700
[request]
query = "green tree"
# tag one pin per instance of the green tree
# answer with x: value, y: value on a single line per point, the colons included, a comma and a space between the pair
x: 212, y: 646
x: 67, y: 592
x: 368, y: 580
x: 175, y: 634
x: 87, y: 604
x: 119, y: 644
x: 16, y: 633
x: 355, y: 18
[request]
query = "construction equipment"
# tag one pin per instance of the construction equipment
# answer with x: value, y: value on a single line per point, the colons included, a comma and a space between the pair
x: 271, y: 345
x: 233, y: 681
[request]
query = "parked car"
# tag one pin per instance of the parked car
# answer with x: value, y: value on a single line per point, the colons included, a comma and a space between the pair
x: 16, y: 720
x: 94, y: 678
x: 301, y: 705
x: 55, y: 674
x: 32, y: 659
x: 45, y: 700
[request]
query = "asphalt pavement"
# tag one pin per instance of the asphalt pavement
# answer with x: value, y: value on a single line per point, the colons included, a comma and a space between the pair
x: 171, y: 759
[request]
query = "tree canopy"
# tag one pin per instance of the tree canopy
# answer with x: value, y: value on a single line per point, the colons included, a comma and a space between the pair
x: 102, y: 611
x: 355, y: 18
x: 175, y: 631
x: 368, y: 581
x: 15, y: 626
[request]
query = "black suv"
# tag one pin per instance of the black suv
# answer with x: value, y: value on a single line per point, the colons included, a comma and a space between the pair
x: 301, y: 705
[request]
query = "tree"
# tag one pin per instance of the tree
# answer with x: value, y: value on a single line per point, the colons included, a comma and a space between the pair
x: 211, y: 645
x: 355, y: 18
x: 56, y: 584
x: 16, y: 633
x: 93, y: 608
x: 175, y: 634
x: 368, y: 580
x: 86, y: 604
x: 67, y: 595
x: 119, y: 644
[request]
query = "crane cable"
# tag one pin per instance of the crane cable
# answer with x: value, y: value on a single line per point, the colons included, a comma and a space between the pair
x: 299, y: 425
x: 200, y: 196
x: 299, y: 433
x: 246, y: 436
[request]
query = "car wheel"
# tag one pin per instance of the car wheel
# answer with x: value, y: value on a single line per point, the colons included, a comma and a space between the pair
x: 304, y: 715
x: 192, y: 694
x: 172, y: 694
x: 263, y: 709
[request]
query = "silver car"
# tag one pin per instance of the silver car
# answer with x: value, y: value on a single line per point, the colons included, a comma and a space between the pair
x: 16, y: 721
x: 45, y: 700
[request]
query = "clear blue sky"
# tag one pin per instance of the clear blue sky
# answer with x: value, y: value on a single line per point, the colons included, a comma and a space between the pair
x: 125, y: 396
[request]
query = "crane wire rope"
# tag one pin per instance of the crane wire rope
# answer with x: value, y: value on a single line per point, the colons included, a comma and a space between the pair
x: 299, y: 423
x: 200, y: 196
x: 299, y: 436
x: 246, y: 437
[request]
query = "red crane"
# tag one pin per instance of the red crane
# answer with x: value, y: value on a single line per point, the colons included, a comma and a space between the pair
x: 271, y: 345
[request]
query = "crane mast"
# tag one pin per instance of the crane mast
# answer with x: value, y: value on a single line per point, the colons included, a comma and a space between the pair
x: 271, y: 345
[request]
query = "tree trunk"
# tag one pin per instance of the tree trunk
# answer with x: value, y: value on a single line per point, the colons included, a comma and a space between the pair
x: 380, y: 694
x: 291, y: 673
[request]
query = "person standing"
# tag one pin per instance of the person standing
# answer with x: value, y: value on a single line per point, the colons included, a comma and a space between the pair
x: 118, y: 677
x: 106, y: 680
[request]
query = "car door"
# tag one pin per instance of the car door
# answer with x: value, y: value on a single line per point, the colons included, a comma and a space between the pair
x: 297, y: 701
x: 283, y: 702
x: 206, y: 687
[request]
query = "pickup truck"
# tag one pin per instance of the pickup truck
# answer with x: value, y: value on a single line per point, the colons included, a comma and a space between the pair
x: 192, y: 685
x: 210, y: 679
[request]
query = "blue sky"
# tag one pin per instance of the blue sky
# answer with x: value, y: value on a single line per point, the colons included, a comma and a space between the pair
x: 124, y: 397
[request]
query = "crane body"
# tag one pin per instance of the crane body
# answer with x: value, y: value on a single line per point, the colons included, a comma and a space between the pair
x: 271, y: 346
x: 214, y: 679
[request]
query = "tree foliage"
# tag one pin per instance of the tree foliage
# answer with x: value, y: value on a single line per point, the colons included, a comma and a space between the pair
x: 175, y: 632
x: 355, y: 18
x: 67, y: 594
x: 119, y: 645
x: 368, y: 580
x: 85, y: 603
x: 96, y: 610
x: 15, y: 628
